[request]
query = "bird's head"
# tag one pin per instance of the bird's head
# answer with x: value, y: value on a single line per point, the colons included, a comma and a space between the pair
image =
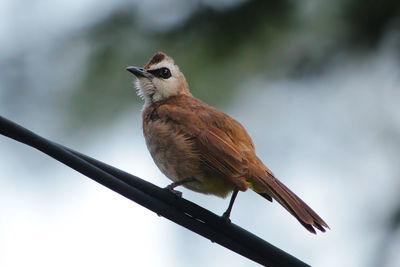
x: 159, y: 79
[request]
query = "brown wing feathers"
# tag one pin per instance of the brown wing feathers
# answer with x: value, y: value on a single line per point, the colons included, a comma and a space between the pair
x: 226, y: 148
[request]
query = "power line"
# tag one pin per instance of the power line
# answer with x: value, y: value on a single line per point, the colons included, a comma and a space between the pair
x: 159, y: 200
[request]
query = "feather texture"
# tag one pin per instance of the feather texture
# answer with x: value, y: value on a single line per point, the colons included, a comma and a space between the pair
x: 188, y: 138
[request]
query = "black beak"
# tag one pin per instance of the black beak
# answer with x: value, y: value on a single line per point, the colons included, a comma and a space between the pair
x: 138, y: 72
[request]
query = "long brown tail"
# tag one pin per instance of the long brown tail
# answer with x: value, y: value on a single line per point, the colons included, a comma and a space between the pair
x: 290, y: 201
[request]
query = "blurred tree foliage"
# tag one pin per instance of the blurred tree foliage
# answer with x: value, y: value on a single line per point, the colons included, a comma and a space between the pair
x: 219, y: 48
x: 369, y: 20
x: 216, y: 49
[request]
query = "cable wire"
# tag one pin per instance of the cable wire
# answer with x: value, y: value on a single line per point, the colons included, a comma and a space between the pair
x: 158, y: 200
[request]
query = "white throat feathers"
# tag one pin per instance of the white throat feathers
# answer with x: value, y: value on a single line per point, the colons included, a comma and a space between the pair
x: 162, y: 80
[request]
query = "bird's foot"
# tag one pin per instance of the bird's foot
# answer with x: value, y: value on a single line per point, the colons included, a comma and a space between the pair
x: 226, y: 216
x: 171, y: 189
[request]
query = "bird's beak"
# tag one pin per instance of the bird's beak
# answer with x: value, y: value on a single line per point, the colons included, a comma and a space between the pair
x: 139, y: 72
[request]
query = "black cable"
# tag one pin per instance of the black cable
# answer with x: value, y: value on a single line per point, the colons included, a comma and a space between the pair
x: 159, y: 200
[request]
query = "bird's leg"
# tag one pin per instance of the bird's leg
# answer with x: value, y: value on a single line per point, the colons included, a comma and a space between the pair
x: 227, y: 213
x: 171, y: 186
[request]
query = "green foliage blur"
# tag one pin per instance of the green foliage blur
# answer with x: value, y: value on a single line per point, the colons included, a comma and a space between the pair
x: 217, y: 48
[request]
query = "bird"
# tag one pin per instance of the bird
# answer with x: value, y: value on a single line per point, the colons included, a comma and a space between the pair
x: 203, y: 149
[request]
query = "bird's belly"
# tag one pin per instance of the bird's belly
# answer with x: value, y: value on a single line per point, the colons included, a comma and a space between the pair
x: 175, y: 155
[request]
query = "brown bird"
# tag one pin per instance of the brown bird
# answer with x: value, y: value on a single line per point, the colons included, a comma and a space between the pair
x: 202, y: 148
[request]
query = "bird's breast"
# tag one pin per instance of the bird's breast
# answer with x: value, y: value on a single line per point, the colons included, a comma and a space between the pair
x: 176, y: 155
x: 172, y: 151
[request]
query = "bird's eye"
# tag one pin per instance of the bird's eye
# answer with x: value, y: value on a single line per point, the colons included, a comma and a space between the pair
x: 161, y: 73
x: 165, y: 73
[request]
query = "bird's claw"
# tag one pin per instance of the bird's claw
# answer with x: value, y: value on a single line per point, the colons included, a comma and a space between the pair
x: 225, y: 217
x: 173, y: 191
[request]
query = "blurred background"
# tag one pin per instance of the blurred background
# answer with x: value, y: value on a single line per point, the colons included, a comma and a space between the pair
x: 316, y: 84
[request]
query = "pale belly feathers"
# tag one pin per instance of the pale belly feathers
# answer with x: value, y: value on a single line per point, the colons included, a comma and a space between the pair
x: 175, y: 155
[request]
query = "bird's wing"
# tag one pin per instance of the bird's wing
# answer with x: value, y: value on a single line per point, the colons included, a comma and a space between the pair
x: 219, y: 139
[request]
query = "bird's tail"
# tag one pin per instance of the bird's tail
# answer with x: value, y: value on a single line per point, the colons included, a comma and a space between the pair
x: 268, y: 186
